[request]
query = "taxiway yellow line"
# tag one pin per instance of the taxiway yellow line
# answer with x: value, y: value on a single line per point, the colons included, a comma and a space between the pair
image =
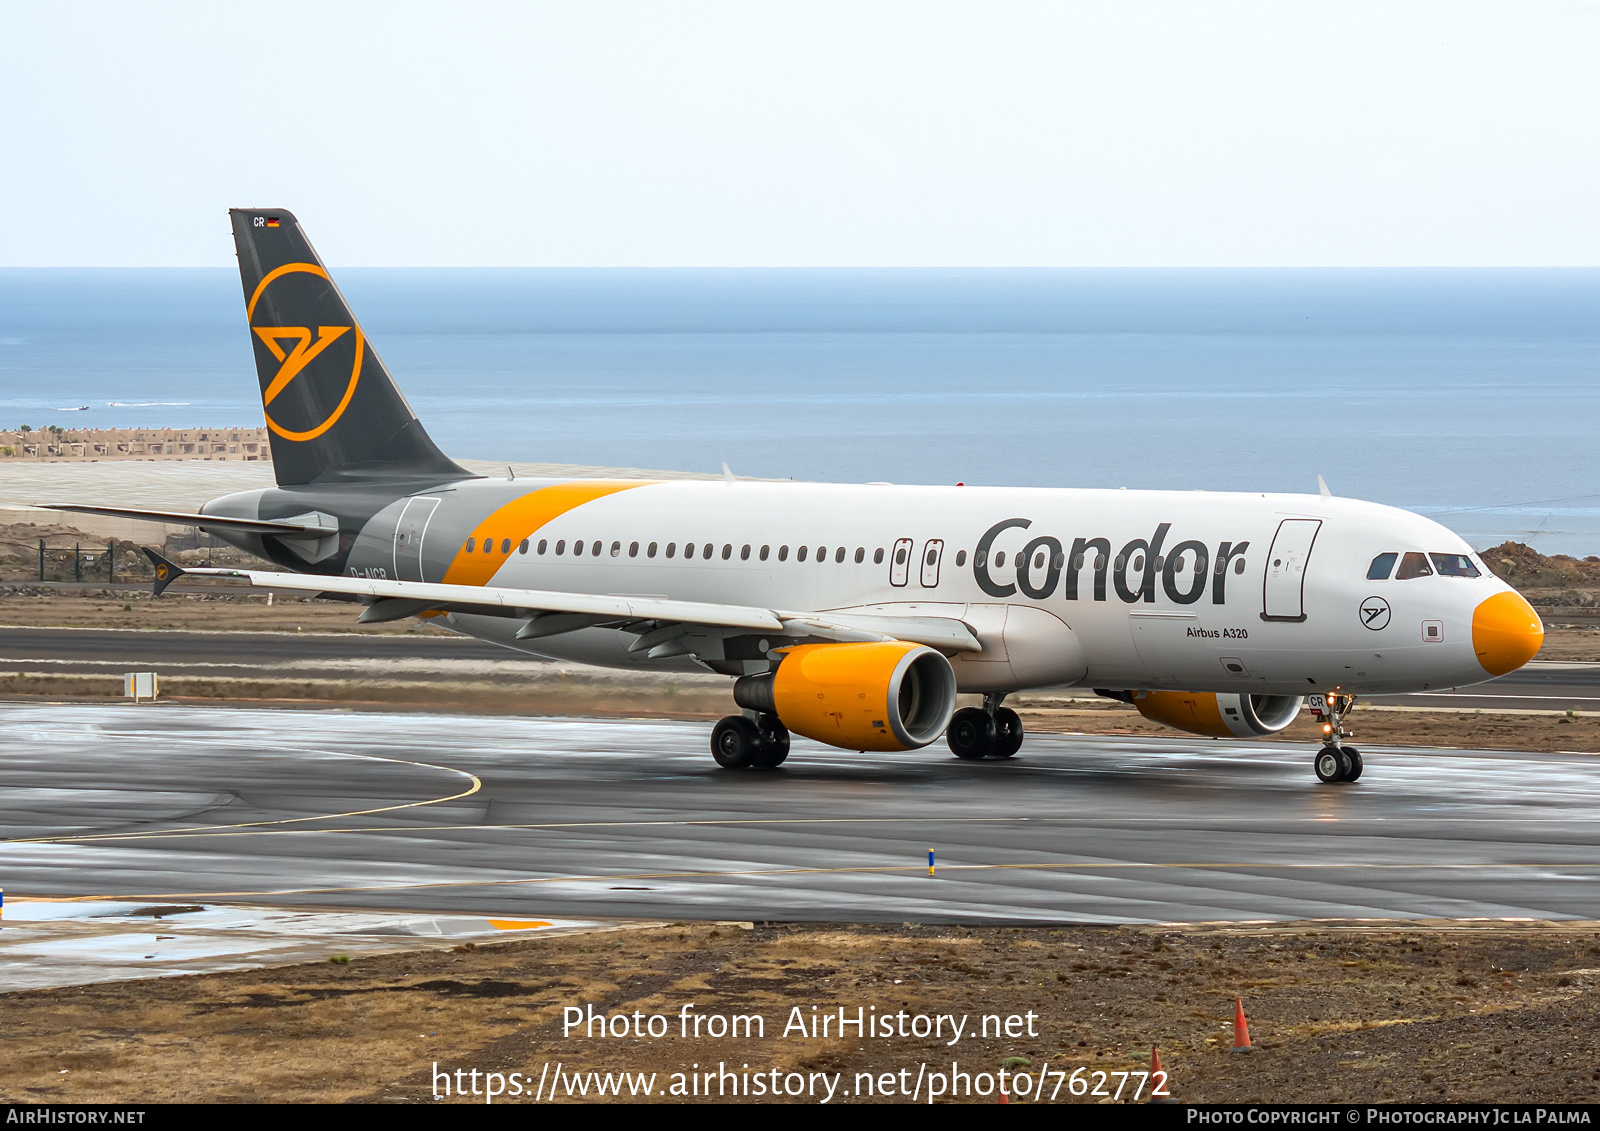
x: 276, y: 825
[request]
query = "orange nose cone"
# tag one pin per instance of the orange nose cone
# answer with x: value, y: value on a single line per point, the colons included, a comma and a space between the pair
x: 1506, y: 633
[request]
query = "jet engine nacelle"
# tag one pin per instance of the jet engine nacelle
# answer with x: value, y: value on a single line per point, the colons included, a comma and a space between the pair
x: 876, y: 696
x: 1219, y: 716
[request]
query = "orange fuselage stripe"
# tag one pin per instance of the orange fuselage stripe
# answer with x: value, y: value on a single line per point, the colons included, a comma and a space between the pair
x: 519, y: 519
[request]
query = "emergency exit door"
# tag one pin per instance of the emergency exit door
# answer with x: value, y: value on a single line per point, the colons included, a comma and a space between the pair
x: 1283, y: 595
x: 932, y: 552
x: 900, y: 563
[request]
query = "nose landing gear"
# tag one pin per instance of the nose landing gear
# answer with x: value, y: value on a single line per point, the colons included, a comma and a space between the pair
x: 1335, y: 762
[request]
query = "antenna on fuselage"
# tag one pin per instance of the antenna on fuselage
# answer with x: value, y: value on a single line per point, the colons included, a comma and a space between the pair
x: 1322, y: 488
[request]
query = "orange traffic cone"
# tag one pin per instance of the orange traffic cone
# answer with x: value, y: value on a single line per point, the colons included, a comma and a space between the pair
x: 1159, y: 1080
x: 1005, y: 1099
x: 1241, y: 1028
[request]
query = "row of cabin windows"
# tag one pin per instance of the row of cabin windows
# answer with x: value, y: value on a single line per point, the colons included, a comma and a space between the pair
x: 1414, y: 564
x: 708, y: 550
x: 690, y: 550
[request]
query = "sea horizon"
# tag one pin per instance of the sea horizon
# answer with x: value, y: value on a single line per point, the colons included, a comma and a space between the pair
x: 1463, y: 394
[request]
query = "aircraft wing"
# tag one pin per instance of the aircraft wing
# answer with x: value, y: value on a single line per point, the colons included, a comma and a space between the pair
x: 549, y: 612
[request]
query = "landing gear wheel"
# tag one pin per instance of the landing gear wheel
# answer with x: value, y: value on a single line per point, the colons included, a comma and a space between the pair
x: 1008, y: 733
x: 1356, y: 765
x: 1332, y: 764
x: 774, y: 743
x: 734, y: 742
x: 972, y: 733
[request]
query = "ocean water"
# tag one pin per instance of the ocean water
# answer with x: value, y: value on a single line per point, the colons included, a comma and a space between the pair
x: 1470, y: 396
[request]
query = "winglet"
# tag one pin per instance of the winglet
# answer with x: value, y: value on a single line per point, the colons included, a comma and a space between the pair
x: 1322, y: 488
x: 166, y: 572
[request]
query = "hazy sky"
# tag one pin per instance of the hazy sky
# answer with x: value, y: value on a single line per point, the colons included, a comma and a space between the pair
x: 1127, y: 133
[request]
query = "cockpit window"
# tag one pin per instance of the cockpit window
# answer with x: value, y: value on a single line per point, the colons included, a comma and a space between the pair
x: 1382, y: 566
x: 1454, y: 565
x: 1413, y: 565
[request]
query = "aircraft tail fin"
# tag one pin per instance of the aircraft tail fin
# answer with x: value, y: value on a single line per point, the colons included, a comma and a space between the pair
x: 332, y: 409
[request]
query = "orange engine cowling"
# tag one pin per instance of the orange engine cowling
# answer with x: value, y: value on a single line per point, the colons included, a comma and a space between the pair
x: 877, y: 696
x: 1219, y: 716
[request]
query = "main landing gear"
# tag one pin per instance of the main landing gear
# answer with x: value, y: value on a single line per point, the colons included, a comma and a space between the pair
x: 738, y: 742
x: 1336, y: 761
x: 989, y: 731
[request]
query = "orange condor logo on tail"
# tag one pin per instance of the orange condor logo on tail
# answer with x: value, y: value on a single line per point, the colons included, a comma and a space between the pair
x: 304, y: 347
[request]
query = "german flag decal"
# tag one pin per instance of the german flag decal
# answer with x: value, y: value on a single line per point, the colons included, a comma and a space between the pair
x: 272, y: 221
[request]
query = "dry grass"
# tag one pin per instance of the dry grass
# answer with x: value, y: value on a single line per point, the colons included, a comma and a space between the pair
x: 1419, y: 1014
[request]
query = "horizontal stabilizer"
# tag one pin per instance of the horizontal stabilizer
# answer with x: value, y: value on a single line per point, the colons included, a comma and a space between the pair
x: 213, y: 521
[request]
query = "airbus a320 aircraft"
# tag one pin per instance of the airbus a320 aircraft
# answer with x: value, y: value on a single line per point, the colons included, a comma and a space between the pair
x: 852, y: 615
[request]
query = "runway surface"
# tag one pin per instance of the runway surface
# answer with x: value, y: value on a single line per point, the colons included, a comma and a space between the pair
x: 98, y: 651
x: 591, y: 818
x: 90, y: 651
x: 1542, y: 686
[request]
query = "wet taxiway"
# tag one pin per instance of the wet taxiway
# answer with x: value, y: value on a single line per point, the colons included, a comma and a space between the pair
x: 585, y: 818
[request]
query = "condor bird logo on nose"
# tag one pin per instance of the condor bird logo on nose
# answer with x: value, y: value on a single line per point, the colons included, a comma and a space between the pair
x: 304, y: 347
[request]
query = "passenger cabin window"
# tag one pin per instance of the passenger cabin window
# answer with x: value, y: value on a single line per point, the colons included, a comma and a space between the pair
x: 470, y: 543
x: 764, y: 550
x: 650, y: 552
x: 523, y: 549
x: 561, y: 547
x: 1413, y: 565
x: 877, y: 556
x: 783, y: 553
x: 800, y: 554
x: 616, y: 548
x: 544, y: 544
x: 633, y: 550
x: 1382, y: 566
x: 1454, y: 565
x: 671, y: 548
x: 838, y: 556
x: 961, y: 557
x: 861, y: 554
x: 744, y: 554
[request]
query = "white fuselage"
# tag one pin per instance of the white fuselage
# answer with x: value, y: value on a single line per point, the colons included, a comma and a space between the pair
x: 1059, y: 585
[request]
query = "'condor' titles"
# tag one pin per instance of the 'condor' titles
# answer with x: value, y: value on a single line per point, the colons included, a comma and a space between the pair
x: 1042, y: 564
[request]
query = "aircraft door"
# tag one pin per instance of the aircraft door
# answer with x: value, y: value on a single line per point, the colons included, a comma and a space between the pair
x: 408, y: 534
x: 932, y: 551
x: 900, y: 562
x: 1283, y: 594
